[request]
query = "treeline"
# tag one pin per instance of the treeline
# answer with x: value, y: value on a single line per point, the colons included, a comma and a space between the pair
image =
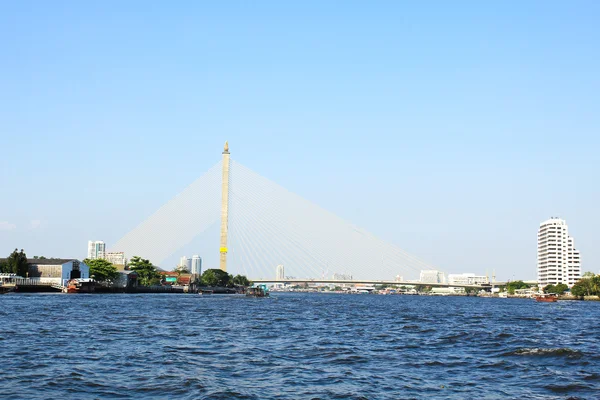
x: 588, y: 285
x: 217, y: 277
x: 148, y: 275
x: 105, y: 272
x: 16, y: 263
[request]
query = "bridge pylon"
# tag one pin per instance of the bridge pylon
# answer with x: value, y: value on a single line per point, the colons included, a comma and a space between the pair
x: 224, y: 208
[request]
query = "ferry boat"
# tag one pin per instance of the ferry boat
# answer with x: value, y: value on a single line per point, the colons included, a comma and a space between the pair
x: 81, y: 286
x: 546, y: 298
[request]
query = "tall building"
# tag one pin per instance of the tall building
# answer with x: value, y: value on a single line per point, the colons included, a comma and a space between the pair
x: 196, y: 265
x: 557, y: 259
x: 185, y: 262
x: 280, y: 273
x: 432, y: 276
x: 96, y: 249
x: 116, y: 258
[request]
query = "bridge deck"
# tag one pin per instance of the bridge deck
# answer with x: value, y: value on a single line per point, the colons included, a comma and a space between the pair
x: 375, y: 282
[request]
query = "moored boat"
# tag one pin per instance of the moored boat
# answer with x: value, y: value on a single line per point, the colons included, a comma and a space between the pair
x: 81, y: 286
x: 546, y: 298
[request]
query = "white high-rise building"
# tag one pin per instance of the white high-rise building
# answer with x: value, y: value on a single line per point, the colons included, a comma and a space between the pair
x: 280, y: 273
x: 557, y: 259
x: 96, y: 249
x: 185, y: 262
x: 196, y: 265
x: 432, y: 276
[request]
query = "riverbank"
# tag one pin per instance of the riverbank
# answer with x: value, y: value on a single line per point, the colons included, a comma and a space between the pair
x: 130, y: 290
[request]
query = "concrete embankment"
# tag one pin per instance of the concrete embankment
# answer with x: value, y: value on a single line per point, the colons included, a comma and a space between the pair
x: 591, y: 298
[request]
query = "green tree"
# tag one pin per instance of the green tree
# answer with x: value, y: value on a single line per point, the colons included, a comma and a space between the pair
x: 181, y: 269
x: 589, y: 285
x: 423, y: 288
x: 470, y: 290
x: 147, y: 273
x: 556, y: 289
x: 102, y: 270
x: 515, y: 285
x: 17, y: 263
x: 578, y: 289
x: 4, y: 268
x: 241, y: 280
x: 216, y: 277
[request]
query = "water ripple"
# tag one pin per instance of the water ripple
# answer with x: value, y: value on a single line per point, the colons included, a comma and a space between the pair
x: 296, y: 346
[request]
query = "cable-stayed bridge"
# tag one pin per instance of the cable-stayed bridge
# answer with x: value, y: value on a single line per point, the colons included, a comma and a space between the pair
x: 265, y: 226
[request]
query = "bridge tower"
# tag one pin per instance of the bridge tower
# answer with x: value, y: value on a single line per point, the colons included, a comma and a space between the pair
x: 224, y: 208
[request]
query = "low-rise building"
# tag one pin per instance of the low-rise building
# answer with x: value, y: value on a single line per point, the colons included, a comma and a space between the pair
x: 116, y: 258
x: 55, y: 271
x: 467, y: 279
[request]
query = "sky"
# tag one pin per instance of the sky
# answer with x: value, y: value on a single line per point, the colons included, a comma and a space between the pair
x: 451, y: 129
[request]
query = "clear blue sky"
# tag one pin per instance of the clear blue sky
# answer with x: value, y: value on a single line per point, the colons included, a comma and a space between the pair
x: 451, y: 129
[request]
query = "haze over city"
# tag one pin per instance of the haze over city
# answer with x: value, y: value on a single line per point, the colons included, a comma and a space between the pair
x: 449, y: 130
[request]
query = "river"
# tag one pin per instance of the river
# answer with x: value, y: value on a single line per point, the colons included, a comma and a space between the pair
x: 296, y: 346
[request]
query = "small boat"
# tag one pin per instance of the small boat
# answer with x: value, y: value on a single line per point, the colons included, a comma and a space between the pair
x: 257, y: 291
x: 204, y: 292
x: 81, y: 286
x: 546, y: 298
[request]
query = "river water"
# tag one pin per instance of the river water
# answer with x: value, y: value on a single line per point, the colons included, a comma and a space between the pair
x: 296, y: 346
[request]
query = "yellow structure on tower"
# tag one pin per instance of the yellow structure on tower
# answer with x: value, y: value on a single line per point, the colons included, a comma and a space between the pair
x: 224, y: 208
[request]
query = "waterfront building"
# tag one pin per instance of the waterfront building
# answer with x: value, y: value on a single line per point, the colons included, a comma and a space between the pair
x: 126, y: 279
x: 432, y: 276
x: 280, y: 273
x: 196, y: 267
x: 96, y: 249
x: 55, y: 271
x: 116, y: 258
x: 467, y: 279
x: 557, y: 259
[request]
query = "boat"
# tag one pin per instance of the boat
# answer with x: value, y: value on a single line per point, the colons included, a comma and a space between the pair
x: 81, y: 286
x: 546, y: 298
x: 257, y: 291
x: 204, y: 292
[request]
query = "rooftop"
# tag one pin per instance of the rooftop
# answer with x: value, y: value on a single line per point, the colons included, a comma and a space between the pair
x: 46, y: 261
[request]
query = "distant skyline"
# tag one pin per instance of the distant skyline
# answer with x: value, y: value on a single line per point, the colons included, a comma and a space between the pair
x: 449, y: 129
